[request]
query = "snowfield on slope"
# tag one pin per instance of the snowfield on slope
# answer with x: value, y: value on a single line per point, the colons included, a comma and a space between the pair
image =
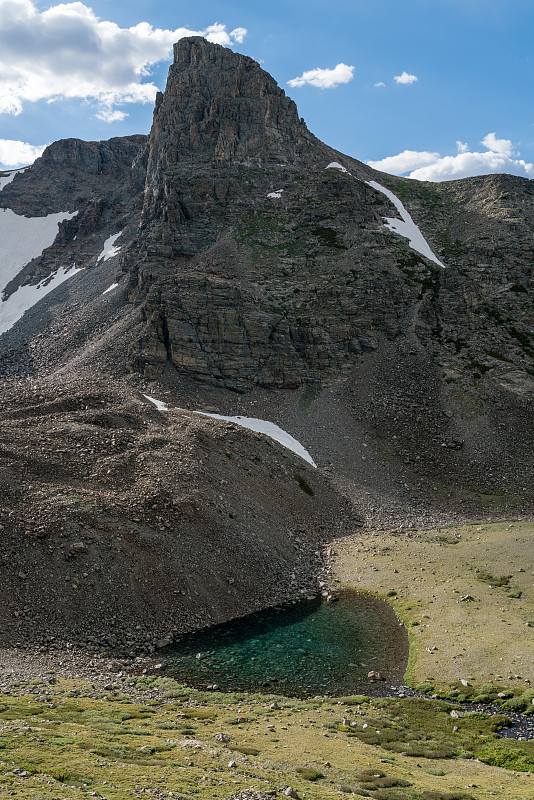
x: 269, y: 429
x: 406, y: 226
x: 23, y: 239
x: 12, y: 309
x: 109, y: 250
x: 252, y: 424
x: 337, y: 165
x: 5, y: 179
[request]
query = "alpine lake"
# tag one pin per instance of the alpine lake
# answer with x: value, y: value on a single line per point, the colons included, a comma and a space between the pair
x: 310, y: 648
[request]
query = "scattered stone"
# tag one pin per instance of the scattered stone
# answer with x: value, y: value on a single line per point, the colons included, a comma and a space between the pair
x: 374, y: 676
x: 290, y: 792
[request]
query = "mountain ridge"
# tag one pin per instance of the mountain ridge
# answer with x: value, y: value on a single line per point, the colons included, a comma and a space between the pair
x: 242, y: 284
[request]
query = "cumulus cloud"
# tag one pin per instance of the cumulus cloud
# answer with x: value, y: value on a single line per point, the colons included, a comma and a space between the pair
x: 380, y: 83
x: 324, y: 78
x: 14, y: 153
x: 405, y: 162
x: 405, y: 78
x: 424, y: 166
x: 66, y: 51
x: 502, y: 146
x: 107, y: 114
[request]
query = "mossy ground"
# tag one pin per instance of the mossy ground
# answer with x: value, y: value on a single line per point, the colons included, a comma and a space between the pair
x: 463, y: 625
x: 75, y: 744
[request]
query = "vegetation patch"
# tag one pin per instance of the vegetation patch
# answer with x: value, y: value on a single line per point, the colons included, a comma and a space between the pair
x: 303, y: 484
x: 426, y: 729
x: 246, y: 751
x: 487, y: 577
x: 309, y: 394
x: 509, y: 753
x: 309, y: 773
x: 328, y: 237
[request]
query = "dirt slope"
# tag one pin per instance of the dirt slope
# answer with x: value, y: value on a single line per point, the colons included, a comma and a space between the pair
x: 122, y: 525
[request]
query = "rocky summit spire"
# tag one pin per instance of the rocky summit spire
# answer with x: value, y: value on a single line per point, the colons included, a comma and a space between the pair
x: 222, y: 108
x: 221, y: 113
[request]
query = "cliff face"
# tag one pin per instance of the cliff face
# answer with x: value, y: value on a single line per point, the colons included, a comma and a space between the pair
x: 257, y: 265
x: 96, y: 181
x: 221, y: 121
x: 221, y: 108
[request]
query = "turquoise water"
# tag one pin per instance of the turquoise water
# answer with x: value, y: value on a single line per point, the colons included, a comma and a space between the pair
x: 303, y: 650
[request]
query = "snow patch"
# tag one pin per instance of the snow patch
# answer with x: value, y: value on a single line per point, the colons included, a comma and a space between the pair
x: 12, y: 309
x: 269, y: 429
x: 406, y: 227
x: 252, y: 424
x: 109, y: 248
x: 5, y: 179
x: 337, y: 165
x: 24, y: 238
x: 110, y: 289
x: 158, y: 403
x: 275, y: 195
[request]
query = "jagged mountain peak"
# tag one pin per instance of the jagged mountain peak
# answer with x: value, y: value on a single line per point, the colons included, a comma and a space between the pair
x: 223, y: 108
x: 224, y: 133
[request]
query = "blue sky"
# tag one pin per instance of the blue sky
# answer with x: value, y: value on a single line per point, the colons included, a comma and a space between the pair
x: 430, y: 88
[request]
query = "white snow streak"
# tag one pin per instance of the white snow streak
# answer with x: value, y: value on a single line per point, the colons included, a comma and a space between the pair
x: 24, y: 238
x: 12, y: 309
x: 269, y: 429
x: 110, y: 289
x: 109, y: 248
x: 275, y: 195
x: 252, y: 424
x: 158, y: 403
x: 5, y: 179
x: 337, y: 165
x: 406, y: 227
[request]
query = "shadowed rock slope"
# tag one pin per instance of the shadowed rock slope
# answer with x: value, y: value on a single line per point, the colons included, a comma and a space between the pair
x: 121, y: 525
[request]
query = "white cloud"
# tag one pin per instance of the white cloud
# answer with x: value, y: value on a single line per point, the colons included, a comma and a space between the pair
x: 405, y: 78
x: 380, y: 83
x: 18, y: 154
x: 465, y: 165
x: 66, y: 51
x: 237, y: 36
x: 107, y: 114
x: 324, y: 78
x: 425, y: 166
x: 502, y: 146
x: 404, y: 162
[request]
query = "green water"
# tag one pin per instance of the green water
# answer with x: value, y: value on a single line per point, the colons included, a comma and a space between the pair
x: 307, y: 649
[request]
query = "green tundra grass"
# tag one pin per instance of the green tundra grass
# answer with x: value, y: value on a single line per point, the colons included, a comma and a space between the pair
x: 80, y: 742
